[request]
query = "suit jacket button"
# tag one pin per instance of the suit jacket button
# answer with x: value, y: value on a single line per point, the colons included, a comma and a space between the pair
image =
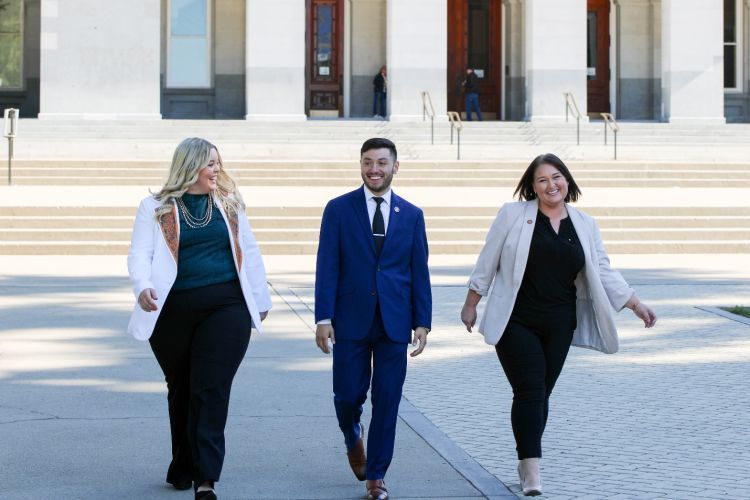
x: 372, y: 293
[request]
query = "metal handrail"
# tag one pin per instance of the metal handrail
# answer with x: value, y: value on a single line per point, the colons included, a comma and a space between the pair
x: 609, y: 122
x: 456, y: 123
x: 428, y: 111
x: 570, y: 104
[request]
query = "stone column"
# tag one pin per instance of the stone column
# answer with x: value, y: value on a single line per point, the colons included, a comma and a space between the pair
x: 101, y: 65
x: 692, y: 61
x: 514, y: 71
x: 638, y: 60
x: 417, y: 53
x: 555, y: 48
x: 275, y: 60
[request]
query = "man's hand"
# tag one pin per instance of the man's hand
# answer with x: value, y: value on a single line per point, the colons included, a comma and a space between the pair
x: 322, y: 334
x: 419, y: 340
x: 147, y: 300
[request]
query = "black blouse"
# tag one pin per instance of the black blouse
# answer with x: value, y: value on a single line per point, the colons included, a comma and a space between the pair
x: 548, y: 292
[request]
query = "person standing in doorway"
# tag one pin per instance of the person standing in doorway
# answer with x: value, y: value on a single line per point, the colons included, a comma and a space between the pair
x: 380, y: 87
x: 471, y: 94
x: 372, y: 297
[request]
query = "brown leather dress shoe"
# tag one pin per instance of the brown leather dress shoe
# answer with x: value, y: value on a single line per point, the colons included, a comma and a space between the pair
x: 376, y: 489
x: 357, y: 457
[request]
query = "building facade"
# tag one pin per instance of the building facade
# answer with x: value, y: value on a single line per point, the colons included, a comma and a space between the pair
x: 650, y: 60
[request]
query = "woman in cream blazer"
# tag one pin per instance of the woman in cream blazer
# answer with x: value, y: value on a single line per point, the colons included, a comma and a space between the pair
x: 550, y: 285
x: 200, y: 286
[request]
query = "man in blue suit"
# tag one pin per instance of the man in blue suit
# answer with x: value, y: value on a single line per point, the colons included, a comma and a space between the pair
x: 372, y: 298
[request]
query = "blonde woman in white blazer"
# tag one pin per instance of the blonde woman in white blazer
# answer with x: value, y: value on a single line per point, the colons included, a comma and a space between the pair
x: 200, y: 286
x: 550, y: 286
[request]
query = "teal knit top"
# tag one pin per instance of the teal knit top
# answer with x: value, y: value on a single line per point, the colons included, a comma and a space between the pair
x: 205, y: 256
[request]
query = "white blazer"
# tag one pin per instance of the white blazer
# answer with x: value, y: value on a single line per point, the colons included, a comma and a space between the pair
x: 153, y: 257
x: 502, y: 262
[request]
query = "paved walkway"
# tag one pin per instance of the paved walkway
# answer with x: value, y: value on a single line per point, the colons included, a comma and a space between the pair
x: 83, y: 412
x: 664, y: 418
x: 83, y: 406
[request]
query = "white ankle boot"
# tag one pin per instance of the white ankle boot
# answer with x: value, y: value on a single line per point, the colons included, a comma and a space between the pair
x: 531, y: 479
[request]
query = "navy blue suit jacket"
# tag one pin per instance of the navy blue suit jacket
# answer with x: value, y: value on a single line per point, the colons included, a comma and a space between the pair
x: 350, y: 279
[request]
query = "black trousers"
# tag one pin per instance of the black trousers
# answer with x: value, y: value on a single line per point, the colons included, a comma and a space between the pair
x: 532, y: 358
x: 199, y: 341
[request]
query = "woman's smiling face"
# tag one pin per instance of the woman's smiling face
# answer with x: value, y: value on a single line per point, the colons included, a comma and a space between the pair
x: 550, y: 186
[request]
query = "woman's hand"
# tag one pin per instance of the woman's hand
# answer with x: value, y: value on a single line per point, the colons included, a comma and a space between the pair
x: 469, y: 311
x: 147, y: 300
x: 646, y: 314
x: 642, y: 311
x: 469, y: 316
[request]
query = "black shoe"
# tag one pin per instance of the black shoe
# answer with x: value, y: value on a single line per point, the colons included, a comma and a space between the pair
x: 205, y: 495
x: 182, y: 484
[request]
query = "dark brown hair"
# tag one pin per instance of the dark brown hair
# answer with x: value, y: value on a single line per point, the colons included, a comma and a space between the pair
x: 525, y: 188
x: 379, y: 143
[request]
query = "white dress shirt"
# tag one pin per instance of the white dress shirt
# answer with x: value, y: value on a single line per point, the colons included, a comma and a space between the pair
x: 385, y: 206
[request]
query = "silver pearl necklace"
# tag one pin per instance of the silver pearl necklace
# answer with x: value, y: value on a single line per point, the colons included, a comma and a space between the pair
x: 194, y: 222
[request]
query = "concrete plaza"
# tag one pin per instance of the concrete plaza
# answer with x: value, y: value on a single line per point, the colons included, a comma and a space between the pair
x: 83, y: 411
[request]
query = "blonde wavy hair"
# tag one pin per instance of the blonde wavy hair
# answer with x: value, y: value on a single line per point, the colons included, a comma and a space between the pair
x: 189, y: 158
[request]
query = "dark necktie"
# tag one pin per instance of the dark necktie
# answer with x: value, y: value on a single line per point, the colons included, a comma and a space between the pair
x: 378, y: 225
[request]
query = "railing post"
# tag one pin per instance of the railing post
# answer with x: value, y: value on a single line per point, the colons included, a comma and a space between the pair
x: 10, y: 158
x: 605, y: 131
x: 10, y: 130
x: 615, y: 131
x: 451, y: 132
x: 458, y: 154
x: 432, y: 130
x: 578, y: 131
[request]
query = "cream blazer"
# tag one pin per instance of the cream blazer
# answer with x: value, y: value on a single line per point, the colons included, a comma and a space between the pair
x: 502, y: 262
x: 153, y: 257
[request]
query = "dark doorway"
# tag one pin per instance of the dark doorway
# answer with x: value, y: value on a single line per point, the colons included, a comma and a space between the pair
x: 325, y: 58
x: 474, y: 40
x: 597, y: 56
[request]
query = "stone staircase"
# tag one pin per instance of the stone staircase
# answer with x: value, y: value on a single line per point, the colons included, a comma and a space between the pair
x: 68, y: 157
x: 340, y: 139
x: 451, y: 230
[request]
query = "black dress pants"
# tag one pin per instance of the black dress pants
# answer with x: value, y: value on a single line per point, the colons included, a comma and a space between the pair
x: 199, y: 341
x: 532, y: 358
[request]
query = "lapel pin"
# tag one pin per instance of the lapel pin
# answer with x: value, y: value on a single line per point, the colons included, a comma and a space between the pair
x: 396, y: 209
x: 529, y: 221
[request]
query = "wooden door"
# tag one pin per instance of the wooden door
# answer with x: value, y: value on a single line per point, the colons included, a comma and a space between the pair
x: 597, y: 56
x: 475, y: 40
x: 325, y: 61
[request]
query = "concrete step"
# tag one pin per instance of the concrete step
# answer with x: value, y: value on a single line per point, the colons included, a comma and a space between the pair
x: 429, y: 211
x: 430, y: 181
x: 407, y: 171
x: 85, y: 166
x: 436, y: 248
x: 433, y: 222
x: 301, y: 235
